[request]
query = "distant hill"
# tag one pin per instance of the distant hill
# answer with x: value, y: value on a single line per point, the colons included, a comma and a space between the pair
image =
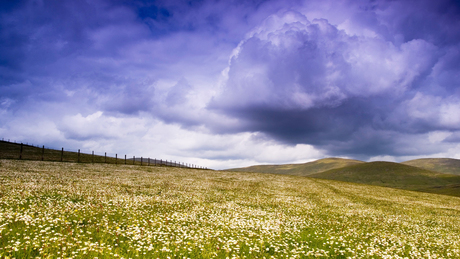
x: 442, y: 165
x: 395, y: 175
x: 300, y: 169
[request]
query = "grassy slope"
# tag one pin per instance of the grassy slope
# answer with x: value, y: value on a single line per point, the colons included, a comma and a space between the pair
x: 396, y: 175
x: 300, y: 169
x: 10, y: 150
x: 442, y: 165
x: 80, y: 210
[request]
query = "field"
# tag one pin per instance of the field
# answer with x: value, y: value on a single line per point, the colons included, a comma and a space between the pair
x: 75, y: 210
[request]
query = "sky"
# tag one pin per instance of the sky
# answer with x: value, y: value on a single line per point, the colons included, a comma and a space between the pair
x: 224, y: 84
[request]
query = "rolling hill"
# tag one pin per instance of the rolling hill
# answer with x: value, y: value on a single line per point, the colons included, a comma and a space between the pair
x: 300, y: 169
x: 442, y: 165
x: 395, y: 175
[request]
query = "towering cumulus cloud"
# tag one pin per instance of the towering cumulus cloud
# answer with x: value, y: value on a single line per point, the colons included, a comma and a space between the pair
x: 309, y: 81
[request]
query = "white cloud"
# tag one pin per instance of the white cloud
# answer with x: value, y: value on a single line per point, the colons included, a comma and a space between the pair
x: 292, y: 63
x: 97, y: 125
x: 383, y: 158
x: 438, y: 111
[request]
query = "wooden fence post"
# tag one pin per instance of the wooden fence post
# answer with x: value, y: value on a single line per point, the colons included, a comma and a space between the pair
x: 134, y: 159
x: 78, y: 160
x: 141, y: 160
x: 43, y: 152
x: 105, y: 157
x: 125, y: 159
x: 92, y: 158
x: 62, y: 154
x: 149, y: 161
x: 116, y: 159
x: 20, y: 152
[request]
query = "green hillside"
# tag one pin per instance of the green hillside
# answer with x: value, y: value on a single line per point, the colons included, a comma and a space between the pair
x: 442, y: 165
x: 395, y: 175
x: 300, y: 169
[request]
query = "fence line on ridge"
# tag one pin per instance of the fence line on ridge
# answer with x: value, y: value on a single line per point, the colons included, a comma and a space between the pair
x: 21, y: 151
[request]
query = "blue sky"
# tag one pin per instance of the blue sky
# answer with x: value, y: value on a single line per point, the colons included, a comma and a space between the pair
x: 233, y: 83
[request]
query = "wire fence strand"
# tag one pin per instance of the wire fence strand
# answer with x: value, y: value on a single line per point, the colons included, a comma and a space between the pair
x: 13, y: 150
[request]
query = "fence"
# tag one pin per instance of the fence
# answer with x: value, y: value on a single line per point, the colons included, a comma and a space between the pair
x: 21, y: 151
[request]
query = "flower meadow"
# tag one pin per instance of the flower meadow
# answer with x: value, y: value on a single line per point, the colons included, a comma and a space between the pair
x: 71, y: 210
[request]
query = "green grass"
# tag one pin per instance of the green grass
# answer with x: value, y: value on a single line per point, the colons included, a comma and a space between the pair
x: 442, y: 165
x: 300, y: 169
x: 396, y: 175
x: 78, y: 210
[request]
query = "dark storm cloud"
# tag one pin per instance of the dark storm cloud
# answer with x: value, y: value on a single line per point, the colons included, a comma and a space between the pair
x: 48, y: 45
x: 361, y: 88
